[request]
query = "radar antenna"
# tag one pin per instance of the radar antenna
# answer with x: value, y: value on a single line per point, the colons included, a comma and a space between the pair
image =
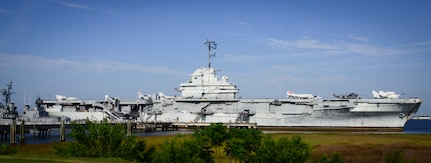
x: 10, y: 112
x: 7, y: 93
x: 211, y: 46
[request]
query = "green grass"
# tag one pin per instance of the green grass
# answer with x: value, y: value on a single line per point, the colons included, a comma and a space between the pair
x: 52, y: 158
x: 354, y: 147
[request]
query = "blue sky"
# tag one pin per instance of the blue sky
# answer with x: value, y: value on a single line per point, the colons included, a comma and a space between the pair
x: 88, y: 49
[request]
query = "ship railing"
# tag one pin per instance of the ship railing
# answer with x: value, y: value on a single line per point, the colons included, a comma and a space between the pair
x: 389, y: 101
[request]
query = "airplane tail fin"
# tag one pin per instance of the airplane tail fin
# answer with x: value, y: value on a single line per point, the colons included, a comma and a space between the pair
x: 376, y: 94
x: 140, y: 95
x: 60, y: 97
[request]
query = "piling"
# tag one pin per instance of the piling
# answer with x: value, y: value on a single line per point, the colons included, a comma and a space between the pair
x: 34, y: 130
x: 13, y: 132
x: 22, y: 132
x: 129, y: 128
x: 4, y: 135
x: 62, y: 131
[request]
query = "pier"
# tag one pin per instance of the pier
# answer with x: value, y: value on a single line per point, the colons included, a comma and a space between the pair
x: 21, y: 127
x: 15, y: 131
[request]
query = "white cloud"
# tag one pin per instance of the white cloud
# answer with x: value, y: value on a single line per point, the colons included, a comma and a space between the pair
x: 341, y: 47
x: 31, y: 62
x: 247, y: 58
x: 245, y: 25
x: 78, y: 6
x: 416, y: 44
x: 4, y: 11
x: 359, y: 38
x: 85, y: 7
x: 370, y: 50
x: 300, y: 44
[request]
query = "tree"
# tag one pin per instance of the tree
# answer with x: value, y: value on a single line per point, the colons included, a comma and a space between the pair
x: 103, y: 140
x: 135, y: 150
x: 215, y: 135
x: 180, y: 149
x: 283, y: 150
x: 242, y: 144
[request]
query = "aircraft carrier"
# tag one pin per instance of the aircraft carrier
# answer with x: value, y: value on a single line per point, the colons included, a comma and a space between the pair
x: 208, y: 98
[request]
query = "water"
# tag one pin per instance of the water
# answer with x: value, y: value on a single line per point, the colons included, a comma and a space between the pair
x: 54, y: 137
x: 415, y: 126
x: 412, y: 126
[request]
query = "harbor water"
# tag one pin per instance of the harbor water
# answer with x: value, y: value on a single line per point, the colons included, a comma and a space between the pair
x: 415, y: 126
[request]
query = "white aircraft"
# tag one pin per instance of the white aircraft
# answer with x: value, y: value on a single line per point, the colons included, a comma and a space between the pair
x: 64, y: 98
x: 390, y: 95
x: 300, y: 96
x: 107, y: 98
x: 162, y: 96
x: 142, y: 96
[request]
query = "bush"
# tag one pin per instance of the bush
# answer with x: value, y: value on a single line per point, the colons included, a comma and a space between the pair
x: 135, y: 150
x: 180, y: 149
x: 283, y: 150
x: 213, y: 136
x: 396, y: 156
x: 335, y: 158
x: 242, y: 144
x: 246, y: 145
x: 72, y: 149
x: 103, y: 140
x: 7, y: 149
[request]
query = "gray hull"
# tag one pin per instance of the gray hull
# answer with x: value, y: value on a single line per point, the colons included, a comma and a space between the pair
x: 378, y: 113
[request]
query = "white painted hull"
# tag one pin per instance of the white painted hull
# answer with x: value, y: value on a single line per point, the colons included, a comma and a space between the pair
x: 74, y: 116
x: 376, y: 113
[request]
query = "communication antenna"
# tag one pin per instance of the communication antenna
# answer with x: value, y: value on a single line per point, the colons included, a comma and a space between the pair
x: 211, y: 46
x: 7, y: 93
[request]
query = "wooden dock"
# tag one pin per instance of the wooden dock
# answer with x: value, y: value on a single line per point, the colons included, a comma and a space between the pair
x: 21, y: 127
x: 10, y: 130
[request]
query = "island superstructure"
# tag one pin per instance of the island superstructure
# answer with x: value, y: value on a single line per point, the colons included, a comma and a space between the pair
x: 208, y: 98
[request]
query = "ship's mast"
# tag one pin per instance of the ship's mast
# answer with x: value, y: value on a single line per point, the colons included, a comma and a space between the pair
x: 7, y: 93
x: 211, y: 46
x: 10, y: 112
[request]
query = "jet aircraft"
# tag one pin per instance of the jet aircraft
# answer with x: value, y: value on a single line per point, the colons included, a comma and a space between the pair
x: 382, y: 94
x: 64, y: 98
x: 299, y: 96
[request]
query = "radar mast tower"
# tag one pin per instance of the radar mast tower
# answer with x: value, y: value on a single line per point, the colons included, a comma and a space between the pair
x: 212, y: 45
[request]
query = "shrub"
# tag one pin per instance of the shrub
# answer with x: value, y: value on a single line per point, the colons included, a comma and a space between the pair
x: 135, y: 150
x: 335, y: 158
x: 103, y: 140
x: 283, y: 150
x: 242, y: 144
x: 180, y: 149
x: 6, y: 149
